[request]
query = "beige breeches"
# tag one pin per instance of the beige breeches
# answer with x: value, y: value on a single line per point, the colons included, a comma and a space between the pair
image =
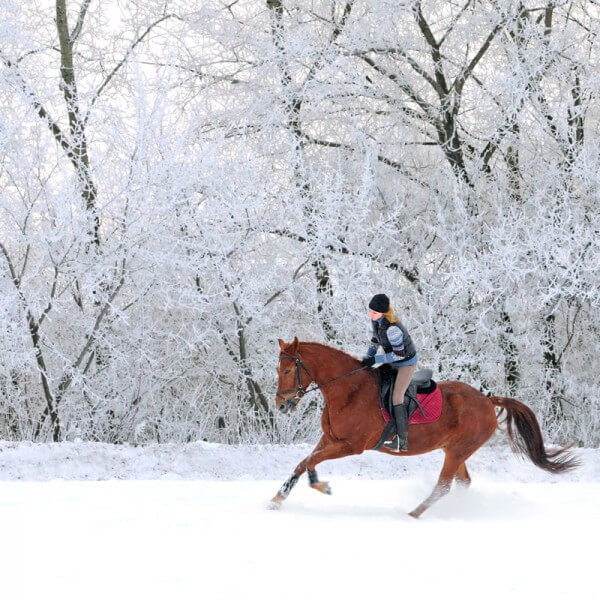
x: 402, y: 382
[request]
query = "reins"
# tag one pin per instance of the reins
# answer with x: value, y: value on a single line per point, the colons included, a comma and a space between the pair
x: 300, y: 391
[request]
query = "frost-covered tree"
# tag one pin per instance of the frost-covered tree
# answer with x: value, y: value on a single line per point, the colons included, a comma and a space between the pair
x: 184, y: 184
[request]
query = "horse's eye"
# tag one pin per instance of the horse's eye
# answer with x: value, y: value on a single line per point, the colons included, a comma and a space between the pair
x: 287, y: 372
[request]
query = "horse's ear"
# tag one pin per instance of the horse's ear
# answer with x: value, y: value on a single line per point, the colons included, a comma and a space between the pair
x: 295, y: 344
x: 281, y: 344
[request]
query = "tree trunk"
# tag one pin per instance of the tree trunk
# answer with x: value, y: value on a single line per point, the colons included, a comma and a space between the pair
x: 293, y: 107
x: 552, y: 367
x: 78, y: 146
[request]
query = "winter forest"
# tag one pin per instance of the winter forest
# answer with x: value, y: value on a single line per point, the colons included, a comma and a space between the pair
x: 183, y: 183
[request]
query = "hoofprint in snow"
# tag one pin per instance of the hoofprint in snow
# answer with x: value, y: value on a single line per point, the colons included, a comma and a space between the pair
x: 189, y: 521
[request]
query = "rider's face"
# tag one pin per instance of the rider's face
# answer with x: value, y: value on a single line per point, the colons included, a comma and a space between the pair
x: 375, y: 315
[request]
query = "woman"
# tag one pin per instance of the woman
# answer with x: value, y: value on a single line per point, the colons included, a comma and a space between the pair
x: 399, y: 352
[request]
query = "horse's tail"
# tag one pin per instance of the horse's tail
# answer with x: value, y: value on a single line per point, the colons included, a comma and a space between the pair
x: 528, y: 440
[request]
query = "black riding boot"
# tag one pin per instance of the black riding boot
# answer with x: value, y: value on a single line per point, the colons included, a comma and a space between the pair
x: 400, y: 442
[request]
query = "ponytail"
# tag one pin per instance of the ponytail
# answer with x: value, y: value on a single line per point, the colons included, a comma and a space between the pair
x: 390, y: 315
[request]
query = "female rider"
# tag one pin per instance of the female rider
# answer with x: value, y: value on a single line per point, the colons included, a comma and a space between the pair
x: 399, y: 352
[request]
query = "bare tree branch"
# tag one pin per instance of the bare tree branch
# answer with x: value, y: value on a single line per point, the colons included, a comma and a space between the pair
x: 460, y: 81
x: 78, y: 26
x: 120, y: 64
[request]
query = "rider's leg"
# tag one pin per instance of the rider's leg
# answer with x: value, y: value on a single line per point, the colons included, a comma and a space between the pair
x: 400, y: 442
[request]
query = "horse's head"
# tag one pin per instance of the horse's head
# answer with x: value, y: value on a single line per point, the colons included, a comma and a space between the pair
x: 294, y: 377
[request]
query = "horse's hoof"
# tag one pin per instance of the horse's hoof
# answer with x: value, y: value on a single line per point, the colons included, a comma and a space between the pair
x: 414, y: 514
x: 275, y: 503
x: 321, y: 486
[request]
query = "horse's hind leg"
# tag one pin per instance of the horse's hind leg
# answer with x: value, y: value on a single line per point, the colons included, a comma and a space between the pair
x: 462, y: 476
x: 451, y: 465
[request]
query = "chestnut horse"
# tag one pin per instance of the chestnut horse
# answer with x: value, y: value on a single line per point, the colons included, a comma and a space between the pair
x: 352, y: 421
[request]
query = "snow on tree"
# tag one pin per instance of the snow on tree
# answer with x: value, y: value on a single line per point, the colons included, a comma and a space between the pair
x: 181, y: 186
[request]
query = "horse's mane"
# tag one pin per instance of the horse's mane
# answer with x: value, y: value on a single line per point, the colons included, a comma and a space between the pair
x: 332, y: 349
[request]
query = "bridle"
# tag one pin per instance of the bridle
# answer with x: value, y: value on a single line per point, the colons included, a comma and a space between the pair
x: 299, y: 390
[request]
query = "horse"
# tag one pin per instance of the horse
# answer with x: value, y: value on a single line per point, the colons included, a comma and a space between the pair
x: 352, y: 421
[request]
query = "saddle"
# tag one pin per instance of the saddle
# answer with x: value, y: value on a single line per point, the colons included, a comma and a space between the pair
x: 421, y: 383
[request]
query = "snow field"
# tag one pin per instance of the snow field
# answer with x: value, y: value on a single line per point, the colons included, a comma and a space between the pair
x: 174, y: 536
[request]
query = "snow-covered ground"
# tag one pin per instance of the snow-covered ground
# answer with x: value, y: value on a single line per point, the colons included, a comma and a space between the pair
x: 93, y: 521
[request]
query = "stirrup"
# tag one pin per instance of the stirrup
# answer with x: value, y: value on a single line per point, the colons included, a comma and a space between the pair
x: 395, y: 445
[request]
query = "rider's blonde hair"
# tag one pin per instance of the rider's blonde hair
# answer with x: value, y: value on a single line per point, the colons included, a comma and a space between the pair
x: 390, y: 315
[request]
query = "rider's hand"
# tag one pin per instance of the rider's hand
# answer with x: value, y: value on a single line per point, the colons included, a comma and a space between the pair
x: 368, y: 361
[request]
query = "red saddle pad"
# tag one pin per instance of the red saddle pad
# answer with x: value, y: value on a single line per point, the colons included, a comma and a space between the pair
x: 432, y: 405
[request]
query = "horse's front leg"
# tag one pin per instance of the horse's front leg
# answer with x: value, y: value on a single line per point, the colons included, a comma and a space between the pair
x: 326, y: 449
x: 315, y: 484
x: 284, y: 490
x: 292, y: 480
